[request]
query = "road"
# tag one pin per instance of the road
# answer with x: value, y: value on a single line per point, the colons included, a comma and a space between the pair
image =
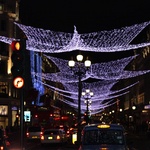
x: 139, y: 142
x: 36, y: 145
x: 14, y: 139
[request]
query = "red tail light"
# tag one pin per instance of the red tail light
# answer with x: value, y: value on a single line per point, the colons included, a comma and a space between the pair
x: 27, y: 134
x: 41, y: 133
x: 1, y: 147
x: 82, y: 132
x: 42, y: 137
x: 58, y: 137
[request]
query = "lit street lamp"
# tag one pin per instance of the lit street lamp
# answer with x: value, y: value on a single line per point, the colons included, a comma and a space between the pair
x: 87, y: 95
x: 79, y: 73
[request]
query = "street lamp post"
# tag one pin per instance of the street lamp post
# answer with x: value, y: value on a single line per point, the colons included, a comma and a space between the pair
x: 87, y: 95
x: 79, y: 73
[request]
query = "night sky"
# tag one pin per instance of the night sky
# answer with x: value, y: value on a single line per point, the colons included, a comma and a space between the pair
x: 86, y: 15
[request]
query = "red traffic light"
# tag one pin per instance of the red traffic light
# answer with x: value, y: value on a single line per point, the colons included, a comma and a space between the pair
x: 17, y: 116
x: 36, y: 116
x: 16, y: 45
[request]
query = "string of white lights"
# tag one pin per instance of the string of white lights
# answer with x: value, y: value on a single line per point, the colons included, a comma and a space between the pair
x: 97, y: 96
x: 116, y: 65
x: 92, y: 108
x: 48, y: 41
x: 112, y: 70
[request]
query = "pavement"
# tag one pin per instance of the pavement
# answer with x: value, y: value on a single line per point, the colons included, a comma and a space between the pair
x: 12, y: 140
x: 138, y: 141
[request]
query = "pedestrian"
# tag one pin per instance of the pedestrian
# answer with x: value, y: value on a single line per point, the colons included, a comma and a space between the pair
x: 2, y: 137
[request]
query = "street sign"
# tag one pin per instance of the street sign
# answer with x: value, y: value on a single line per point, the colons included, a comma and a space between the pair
x: 18, y: 82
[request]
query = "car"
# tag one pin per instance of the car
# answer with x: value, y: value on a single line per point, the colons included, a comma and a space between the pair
x: 34, y: 132
x: 103, y: 136
x: 53, y: 136
x: 71, y: 131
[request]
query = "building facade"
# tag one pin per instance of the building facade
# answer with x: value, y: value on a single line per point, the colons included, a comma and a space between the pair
x: 9, y: 97
x: 133, y: 109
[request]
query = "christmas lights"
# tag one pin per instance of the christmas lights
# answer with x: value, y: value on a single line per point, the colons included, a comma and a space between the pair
x: 117, y: 65
x: 96, y: 104
x: 47, y: 41
x: 113, y: 70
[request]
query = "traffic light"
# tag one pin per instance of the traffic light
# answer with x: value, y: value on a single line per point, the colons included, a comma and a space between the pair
x: 17, y: 120
x: 17, y: 115
x: 18, y: 47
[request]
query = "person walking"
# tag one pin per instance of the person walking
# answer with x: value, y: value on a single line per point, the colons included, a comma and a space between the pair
x: 2, y: 138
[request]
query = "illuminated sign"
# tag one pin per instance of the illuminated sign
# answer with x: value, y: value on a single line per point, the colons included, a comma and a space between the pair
x: 18, y: 82
x: 103, y: 126
x: 27, y: 116
x: 147, y: 107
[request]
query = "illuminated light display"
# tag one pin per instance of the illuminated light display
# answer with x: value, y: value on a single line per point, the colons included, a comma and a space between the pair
x: 97, y: 68
x: 113, y: 70
x: 47, y: 41
x: 105, y: 100
x: 109, y: 73
x: 36, y: 63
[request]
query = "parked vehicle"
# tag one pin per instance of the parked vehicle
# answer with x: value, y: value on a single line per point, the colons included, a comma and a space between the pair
x: 34, y: 132
x: 53, y: 136
x: 103, y: 136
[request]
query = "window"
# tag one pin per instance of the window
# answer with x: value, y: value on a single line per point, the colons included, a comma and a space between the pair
x: 53, y: 132
x: 97, y: 137
x: 3, y: 89
x: 34, y: 129
x: 3, y: 25
x: 1, y: 7
x: 3, y: 110
x: 3, y: 49
x: 3, y: 67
